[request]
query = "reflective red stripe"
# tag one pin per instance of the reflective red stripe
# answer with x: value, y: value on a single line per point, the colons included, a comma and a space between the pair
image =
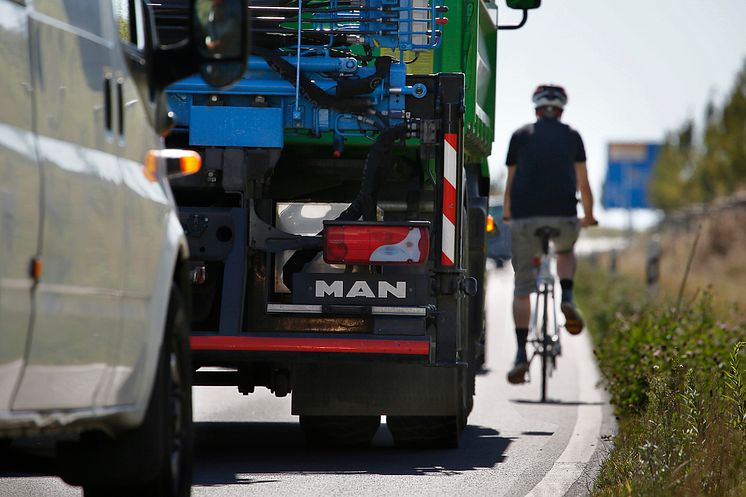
x: 449, y: 201
x: 289, y: 344
x: 452, y: 139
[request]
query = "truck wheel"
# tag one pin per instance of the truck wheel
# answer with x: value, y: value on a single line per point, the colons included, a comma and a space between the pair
x: 346, y: 432
x: 481, y: 346
x: 434, y: 432
x: 165, y: 437
x: 469, y: 390
x: 425, y: 432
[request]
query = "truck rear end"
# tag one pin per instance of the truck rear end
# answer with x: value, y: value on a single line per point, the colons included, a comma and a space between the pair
x: 337, y: 226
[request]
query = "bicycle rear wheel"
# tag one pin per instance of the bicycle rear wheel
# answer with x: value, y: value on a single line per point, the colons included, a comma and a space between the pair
x: 543, y: 300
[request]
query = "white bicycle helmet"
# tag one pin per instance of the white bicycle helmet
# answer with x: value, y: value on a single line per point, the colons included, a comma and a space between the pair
x: 550, y: 96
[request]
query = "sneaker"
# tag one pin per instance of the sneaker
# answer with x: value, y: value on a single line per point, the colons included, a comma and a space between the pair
x: 517, y: 374
x: 573, y: 320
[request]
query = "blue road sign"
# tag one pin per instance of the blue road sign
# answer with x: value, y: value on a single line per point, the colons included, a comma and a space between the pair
x: 630, y: 166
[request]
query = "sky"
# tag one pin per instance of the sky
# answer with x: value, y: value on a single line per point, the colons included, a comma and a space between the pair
x: 633, y: 70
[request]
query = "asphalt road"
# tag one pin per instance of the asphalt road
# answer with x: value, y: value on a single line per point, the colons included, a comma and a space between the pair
x: 513, y: 445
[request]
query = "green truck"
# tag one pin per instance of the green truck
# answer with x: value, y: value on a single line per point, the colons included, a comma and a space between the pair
x: 337, y: 228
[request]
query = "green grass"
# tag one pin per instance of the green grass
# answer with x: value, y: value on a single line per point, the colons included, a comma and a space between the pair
x: 676, y: 374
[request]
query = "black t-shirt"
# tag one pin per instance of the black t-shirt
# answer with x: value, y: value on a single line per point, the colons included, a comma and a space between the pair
x: 544, y: 184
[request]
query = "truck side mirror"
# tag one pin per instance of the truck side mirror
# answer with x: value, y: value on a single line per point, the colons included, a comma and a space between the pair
x: 221, y: 38
x: 524, y: 4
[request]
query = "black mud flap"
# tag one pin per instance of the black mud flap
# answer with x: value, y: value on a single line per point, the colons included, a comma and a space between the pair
x: 376, y: 388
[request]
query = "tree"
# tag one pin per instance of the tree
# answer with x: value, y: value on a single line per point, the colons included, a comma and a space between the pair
x: 673, y: 170
x: 686, y: 173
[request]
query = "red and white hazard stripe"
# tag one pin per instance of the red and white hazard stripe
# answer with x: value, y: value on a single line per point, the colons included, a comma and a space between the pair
x: 450, y: 168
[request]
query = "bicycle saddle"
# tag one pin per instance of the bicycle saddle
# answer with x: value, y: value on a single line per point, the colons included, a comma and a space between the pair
x: 547, y: 232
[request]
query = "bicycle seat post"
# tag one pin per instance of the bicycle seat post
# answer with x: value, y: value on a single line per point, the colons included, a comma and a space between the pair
x: 546, y: 233
x: 545, y: 243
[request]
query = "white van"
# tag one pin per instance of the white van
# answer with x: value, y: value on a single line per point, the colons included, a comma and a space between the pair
x: 94, y: 338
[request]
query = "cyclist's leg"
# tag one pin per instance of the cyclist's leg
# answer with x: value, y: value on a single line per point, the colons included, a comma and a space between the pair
x: 565, y: 249
x: 566, y: 263
x: 521, y: 318
x: 524, y: 247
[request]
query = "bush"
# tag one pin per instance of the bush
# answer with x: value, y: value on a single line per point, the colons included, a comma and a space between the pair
x: 677, y: 379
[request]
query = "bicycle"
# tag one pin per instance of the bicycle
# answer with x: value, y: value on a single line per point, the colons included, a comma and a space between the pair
x: 545, y: 338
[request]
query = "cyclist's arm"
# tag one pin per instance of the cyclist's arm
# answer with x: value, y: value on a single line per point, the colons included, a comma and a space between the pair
x: 586, y: 195
x: 506, y: 200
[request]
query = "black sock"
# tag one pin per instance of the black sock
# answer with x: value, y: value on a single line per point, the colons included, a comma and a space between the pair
x: 521, y: 335
x: 566, y: 285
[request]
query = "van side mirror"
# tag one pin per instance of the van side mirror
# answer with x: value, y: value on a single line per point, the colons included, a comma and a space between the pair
x: 220, y: 35
x: 167, y: 41
x: 524, y: 4
x: 215, y: 43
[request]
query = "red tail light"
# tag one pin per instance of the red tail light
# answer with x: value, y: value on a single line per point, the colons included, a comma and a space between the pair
x: 376, y: 243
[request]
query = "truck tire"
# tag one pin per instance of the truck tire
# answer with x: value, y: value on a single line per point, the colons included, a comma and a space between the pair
x: 434, y: 432
x: 165, y: 437
x: 425, y: 432
x: 471, y: 388
x: 345, y: 432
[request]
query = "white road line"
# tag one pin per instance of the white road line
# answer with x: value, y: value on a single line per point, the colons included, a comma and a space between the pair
x: 585, y: 435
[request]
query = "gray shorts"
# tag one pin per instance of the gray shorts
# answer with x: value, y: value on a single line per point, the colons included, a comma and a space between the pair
x: 526, y: 246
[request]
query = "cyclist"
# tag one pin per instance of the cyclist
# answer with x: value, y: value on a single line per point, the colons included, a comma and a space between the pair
x: 546, y: 167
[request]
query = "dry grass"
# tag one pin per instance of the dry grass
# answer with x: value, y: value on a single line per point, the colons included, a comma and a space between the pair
x: 719, y: 262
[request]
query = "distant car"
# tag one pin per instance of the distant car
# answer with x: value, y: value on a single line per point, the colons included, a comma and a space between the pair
x: 498, y: 243
x: 94, y: 325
